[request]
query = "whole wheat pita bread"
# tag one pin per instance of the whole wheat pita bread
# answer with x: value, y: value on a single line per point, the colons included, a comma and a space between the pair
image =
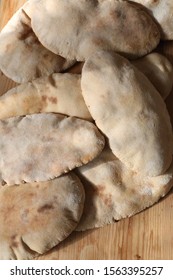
x: 40, y: 147
x: 36, y: 217
x: 162, y: 11
x: 22, y: 57
x: 75, y: 29
x: 114, y: 192
x: 58, y: 93
x: 129, y: 111
x: 158, y: 69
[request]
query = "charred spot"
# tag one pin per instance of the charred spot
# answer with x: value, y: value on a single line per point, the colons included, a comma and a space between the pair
x: 45, y: 208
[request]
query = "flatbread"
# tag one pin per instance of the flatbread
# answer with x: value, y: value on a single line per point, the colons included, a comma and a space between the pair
x: 159, y: 70
x: 129, y: 111
x: 22, y: 57
x: 161, y: 10
x: 40, y: 147
x: 75, y: 29
x: 114, y: 192
x: 36, y: 217
x: 58, y: 93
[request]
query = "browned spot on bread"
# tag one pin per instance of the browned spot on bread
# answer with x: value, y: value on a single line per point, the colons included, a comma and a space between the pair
x: 45, y: 207
x: 28, y: 167
x: 14, y: 243
x: 86, y: 159
x: 31, y: 194
x: 106, y: 198
x: 98, y: 41
x: 53, y: 99
x: 44, y: 98
x: 13, y: 236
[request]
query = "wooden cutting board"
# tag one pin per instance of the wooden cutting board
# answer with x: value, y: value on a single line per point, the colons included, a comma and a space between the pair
x: 147, y: 235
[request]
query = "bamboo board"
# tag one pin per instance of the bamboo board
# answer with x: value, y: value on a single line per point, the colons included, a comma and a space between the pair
x: 147, y: 235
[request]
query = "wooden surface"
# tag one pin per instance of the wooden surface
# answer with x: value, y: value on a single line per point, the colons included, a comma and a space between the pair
x: 147, y: 235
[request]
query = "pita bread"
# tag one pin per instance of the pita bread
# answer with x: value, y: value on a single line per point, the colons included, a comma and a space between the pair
x: 40, y: 147
x: 58, y: 93
x: 114, y: 192
x: 158, y: 69
x: 75, y: 29
x: 22, y: 57
x: 136, y: 120
x: 162, y: 12
x: 36, y: 217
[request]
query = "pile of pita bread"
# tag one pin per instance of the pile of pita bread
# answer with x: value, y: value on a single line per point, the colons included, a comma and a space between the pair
x: 82, y: 146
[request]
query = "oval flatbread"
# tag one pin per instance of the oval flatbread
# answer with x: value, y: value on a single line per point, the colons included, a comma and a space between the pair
x: 36, y: 217
x: 129, y: 111
x: 75, y: 29
x: 40, y: 147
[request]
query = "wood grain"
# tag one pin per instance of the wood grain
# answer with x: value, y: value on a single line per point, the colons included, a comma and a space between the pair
x: 147, y: 235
